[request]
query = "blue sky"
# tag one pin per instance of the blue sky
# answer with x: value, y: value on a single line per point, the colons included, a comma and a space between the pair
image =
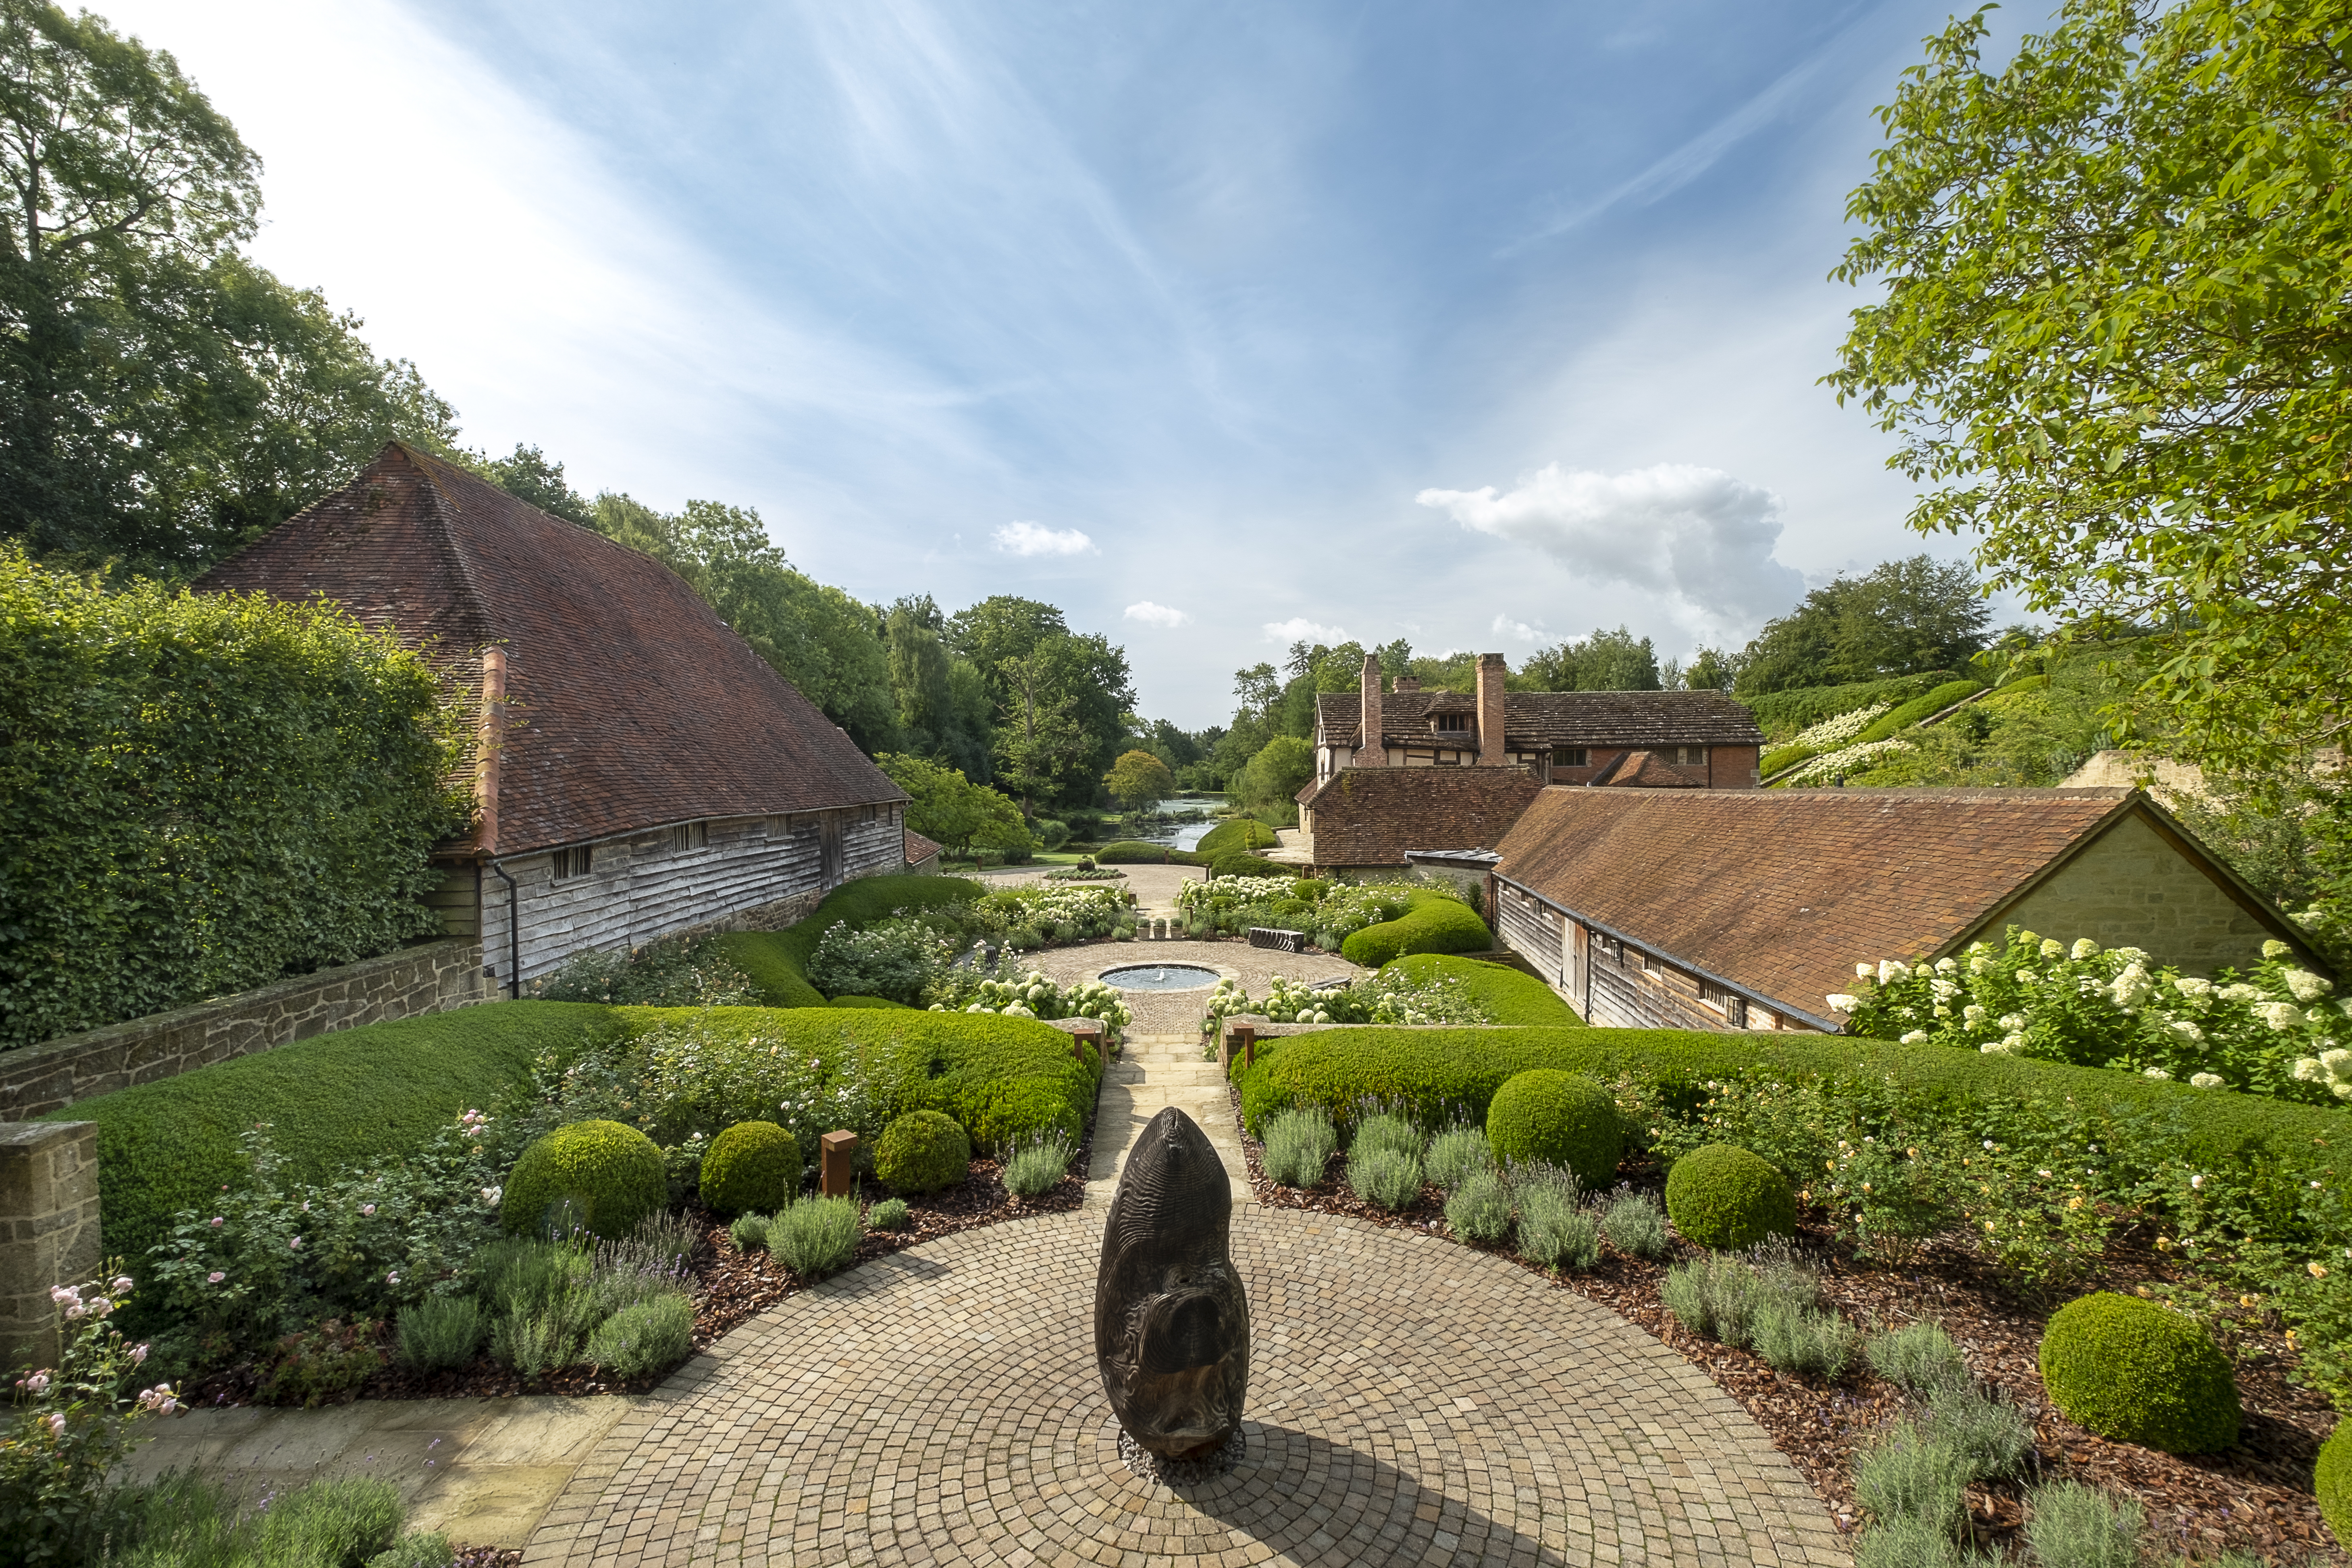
x: 1215, y: 325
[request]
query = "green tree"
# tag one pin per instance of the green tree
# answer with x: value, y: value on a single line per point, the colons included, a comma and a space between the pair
x: 1276, y: 775
x: 1902, y: 617
x: 1140, y: 781
x: 163, y: 400
x: 951, y: 808
x: 1041, y: 748
x: 528, y: 474
x: 2113, y: 338
x: 1605, y: 661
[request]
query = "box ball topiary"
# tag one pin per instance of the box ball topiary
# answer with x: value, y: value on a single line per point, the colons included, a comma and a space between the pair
x: 752, y: 1165
x: 611, y: 1175
x: 922, y: 1152
x: 2333, y: 1482
x: 1559, y: 1118
x: 1727, y: 1200
x: 2130, y: 1371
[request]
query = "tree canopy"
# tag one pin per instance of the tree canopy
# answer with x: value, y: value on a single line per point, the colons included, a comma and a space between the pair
x: 1140, y: 780
x: 2115, y: 337
x: 1901, y: 617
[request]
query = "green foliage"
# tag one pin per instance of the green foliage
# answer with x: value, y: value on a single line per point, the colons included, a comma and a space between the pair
x: 1721, y: 1295
x: 777, y: 961
x: 324, y: 1364
x: 1130, y: 852
x: 1991, y: 1436
x: 2332, y: 1481
x: 875, y: 1002
x: 815, y: 1236
x: 1140, y: 781
x: 1556, y: 1231
x: 1918, y: 1358
x: 1037, y: 1165
x: 1378, y: 1128
x: 1902, y: 617
x: 2070, y: 1525
x: 377, y: 1093
x: 749, y: 1232
x: 1908, y: 1476
x: 895, y: 959
x: 1432, y: 922
x: 890, y: 1214
x: 175, y: 762
x: 1241, y: 865
x: 1385, y: 1177
x: 1919, y: 708
x: 2052, y: 249
x: 1605, y: 661
x: 1457, y: 1154
x: 641, y: 1339
x: 1635, y: 1227
x: 1238, y: 835
x: 751, y: 1165
x: 1559, y: 1119
x: 674, y: 971
x: 1479, y: 1212
x: 1505, y: 995
x: 613, y: 1176
x: 441, y: 1331
x: 1725, y: 1199
x: 183, y: 1520
x: 1783, y: 759
x: 922, y: 1152
x: 1298, y: 1147
x: 1781, y: 715
x: 417, y: 1551
x: 1801, y: 1340
x: 2136, y: 1373
x: 948, y: 807
x: 1282, y: 766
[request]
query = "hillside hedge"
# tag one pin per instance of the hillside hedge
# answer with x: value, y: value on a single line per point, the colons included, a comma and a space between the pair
x: 1243, y: 833
x: 777, y: 961
x: 1917, y: 709
x: 1130, y: 852
x: 1512, y: 995
x: 1434, y: 923
x: 374, y: 1092
x: 1784, y: 713
x: 174, y: 764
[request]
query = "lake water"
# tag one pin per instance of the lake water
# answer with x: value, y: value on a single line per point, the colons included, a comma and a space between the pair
x: 1178, y: 834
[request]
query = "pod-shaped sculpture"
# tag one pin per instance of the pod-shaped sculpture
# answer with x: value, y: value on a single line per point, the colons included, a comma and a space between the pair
x: 1172, y: 1324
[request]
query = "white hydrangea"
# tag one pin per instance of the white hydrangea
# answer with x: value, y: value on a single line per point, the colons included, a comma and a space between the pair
x: 2189, y: 985
x: 2052, y: 949
x: 1841, y: 1002
x: 1891, y: 970
x: 2157, y: 1073
x: 2239, y: 992
x: 1865, y: 972
x: 2012, y: 1043
x: 2012, y: 1021
x: 1946, y: 964
x: 1973, y: 1014
x: 2305, y: 986
x: 2279, y: 1015
x: 2205, y: 1081
x: 1913, y: 1038
x: 1844, y: 727
x: 2007, y: 1047
x: 2187, y: 1033
x: 2131, y: 988
x: 2085, y: 948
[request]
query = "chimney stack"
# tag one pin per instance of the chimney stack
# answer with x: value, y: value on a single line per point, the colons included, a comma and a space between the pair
x: 1405, y: 683
x: 1373, y: 751
x: 1491, y: 670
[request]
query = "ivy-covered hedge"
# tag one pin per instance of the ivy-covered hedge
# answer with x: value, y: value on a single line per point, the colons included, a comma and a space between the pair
x: 777, y: 961
x: 1435, y: 923
x: 378, y: 1092
x: 1918, y: 709
x: 1510, y: 996
x: 201, y: 793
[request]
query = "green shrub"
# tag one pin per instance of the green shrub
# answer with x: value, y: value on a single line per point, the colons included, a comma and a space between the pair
x: 1785, y: 757
x: 285, y: 747
x: 1381, y: 1130
x: 866, y: 1002
x: 749, y: 1232
x: 1037, y: 1165
x: 612, y: 1174
x: 1918, y: 708
x: 1561, y: 1118
x: 649, y: 1337
x: 1432, y: 922
x: 674, y: 971
x: 432, y: 1551
x: 1507, y: 996
x: 1455, y: 1155
x: 380, y: 1092
x: 1129, y: 852
x: 1636, y: 1228
x: 2136, y: 1372
x: 441, y: 1331
x: 1480, y: 1212
x: 1385, y: 1177
x: 1235, y: 864
x: 922, y: 1152
x: 1783, y: 713
x: 2070, y: 1525
x: 1908, y: 1476
x: 815, y: 1236
x: 1918, y: 1359
x: 1556, y: 1231
x: 1909, y: 1543
x: 1298, y: 1147
x: 1725, y: 1198
x: 341, y: 1522
x: 2332, y: 1481
x: 1240, y: 833
x: 752, y: 1165
x: 890, y: 1214
x: 777, y: 961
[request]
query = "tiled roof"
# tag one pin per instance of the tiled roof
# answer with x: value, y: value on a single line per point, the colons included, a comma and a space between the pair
x: 631, y: 705
x: 1647, y: 770
x: 1371, y: 817
x: 1535, y: 721
x: 1782, y: 891
x: 919, y: 848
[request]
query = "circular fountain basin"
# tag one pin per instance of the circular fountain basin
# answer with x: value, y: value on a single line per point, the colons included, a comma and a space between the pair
x: 1159, y: 977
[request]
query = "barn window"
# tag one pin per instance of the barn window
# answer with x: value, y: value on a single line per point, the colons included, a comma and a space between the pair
x: 690, y: 836
x: 571, y: 861
x: 1570, y: 757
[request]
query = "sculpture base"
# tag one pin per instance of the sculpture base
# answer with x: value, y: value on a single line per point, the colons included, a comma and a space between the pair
x: 1151, y: 1466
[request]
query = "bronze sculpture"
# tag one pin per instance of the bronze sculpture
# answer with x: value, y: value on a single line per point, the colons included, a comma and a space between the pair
x: 1171, y: 1322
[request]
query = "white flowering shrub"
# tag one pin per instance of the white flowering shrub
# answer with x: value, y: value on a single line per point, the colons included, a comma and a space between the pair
x: 1845, y: 760
x: 675, y: 972
x: 1329, y: 912
x: 1054, y: 916
x: 896, y: 958
x: 1389, y: 997
x: 2279, y: 1030
x: 1833, y: 732
x: 1032, y: 994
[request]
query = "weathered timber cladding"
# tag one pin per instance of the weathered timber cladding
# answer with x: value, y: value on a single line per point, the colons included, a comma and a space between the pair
x: 430, y: 978
x: 752, y: 870
x: 1531, y: 931
x: 1628, y: 995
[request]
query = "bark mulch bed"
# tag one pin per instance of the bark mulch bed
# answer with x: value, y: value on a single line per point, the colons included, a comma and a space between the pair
x: 2255, y: 1496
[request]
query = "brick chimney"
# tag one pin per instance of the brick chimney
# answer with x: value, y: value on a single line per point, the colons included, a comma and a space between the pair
x: 1373, y: 752
x: 1405, y: 683
x: 1491, y: 670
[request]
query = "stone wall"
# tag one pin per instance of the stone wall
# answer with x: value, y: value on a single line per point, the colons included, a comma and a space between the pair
x: 49, y: 1231
x: 2133, y: 888
x: 430, y: 978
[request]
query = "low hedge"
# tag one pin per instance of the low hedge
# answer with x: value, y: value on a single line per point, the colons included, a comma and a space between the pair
x: 1434, y: 923
x: 333, y: 1101
x: 2332, y: 1479
x: 1243, y: 833
x: 1238, y: 863
x: 1918, y: 709
x: 867, y: 1002
x: 1130, y: 852
x: 1786, y: 712
x: 1512, y: 995
x: 1787, y: 757
x: 777, y: 961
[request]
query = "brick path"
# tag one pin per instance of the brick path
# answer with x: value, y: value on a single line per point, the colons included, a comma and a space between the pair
x: 1411, y: 1401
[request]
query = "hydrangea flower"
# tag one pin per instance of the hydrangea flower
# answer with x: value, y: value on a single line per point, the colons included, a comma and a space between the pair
x: 2205, y: 1081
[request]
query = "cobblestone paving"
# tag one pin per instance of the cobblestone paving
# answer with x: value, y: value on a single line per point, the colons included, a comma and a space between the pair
x: 1411, y: 1401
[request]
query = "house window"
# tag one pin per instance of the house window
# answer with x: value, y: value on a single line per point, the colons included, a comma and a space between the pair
x: 571, y: 861
x: 690, y: 836
x: 1689, y: 756
x: 1570, y: 757
x: 1453, y: 721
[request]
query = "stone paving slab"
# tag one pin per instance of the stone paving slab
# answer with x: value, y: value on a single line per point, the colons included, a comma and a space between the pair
x: 1153, y: 1072
x: 1411, y: 1400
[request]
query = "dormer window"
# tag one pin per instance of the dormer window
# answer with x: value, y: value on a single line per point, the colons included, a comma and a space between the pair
x: 1453, y: 723
x: 1687, y: 756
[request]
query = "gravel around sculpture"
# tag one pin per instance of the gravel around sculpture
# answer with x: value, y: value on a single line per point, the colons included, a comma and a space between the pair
x: 1172, y: 1321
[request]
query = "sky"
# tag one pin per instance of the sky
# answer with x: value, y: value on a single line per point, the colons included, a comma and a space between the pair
x: 1219, y: 326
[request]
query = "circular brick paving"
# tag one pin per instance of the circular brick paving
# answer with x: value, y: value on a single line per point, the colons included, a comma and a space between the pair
x: 1411, y: 1401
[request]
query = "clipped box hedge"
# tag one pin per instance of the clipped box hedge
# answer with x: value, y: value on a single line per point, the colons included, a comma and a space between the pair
x: 1512, y: 995
x: 1802, y: 707
x: 1917, y: 709
x: 1243, y: 833
x: 777, y: 961
x: 1132, y: 852
x: 1434, y: 923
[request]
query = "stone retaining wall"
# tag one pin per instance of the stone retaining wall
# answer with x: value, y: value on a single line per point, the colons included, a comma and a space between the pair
x: 430, y: 978
x: 48, y: 1231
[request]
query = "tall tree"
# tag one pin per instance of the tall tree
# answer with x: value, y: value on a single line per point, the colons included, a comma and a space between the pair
x: 1901, y: 617
x: 2112, y: 328
x: 1139, y: 781
x: 1041, y: 747
x: 1605, y: 661
x: 161, y: 398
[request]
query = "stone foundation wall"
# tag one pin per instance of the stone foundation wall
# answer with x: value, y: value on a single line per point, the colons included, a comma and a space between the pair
x: 48, y: 1231
x: 432, y: 978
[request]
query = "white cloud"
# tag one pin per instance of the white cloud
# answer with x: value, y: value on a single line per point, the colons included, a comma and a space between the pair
x: 1519, y: 631
x: 1299, y: 629
x: 1153, y: 614
x: 1698, y: 538
x: 1036, y: 538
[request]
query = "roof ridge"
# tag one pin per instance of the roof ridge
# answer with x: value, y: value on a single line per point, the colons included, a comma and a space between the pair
x: 444, y: 535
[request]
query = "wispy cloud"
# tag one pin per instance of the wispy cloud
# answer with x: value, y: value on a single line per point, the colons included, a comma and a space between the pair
x: 1519, y: 631
x: 1152, y: 615
x: 1299, y: 629
x: 1036, y: 539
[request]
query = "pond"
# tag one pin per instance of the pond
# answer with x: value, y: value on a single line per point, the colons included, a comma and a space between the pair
x: 1178, y: 834
x: 1159, y: 977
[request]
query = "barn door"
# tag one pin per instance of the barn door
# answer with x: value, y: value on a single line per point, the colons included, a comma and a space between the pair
x: 828, y: 848
x: 1578, y: 967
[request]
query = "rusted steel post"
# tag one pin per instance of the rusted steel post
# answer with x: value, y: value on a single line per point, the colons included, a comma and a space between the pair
x: 837, y: 1165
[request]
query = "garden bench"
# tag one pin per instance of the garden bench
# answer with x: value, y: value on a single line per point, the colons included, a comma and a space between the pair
x: 1277, y: 938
